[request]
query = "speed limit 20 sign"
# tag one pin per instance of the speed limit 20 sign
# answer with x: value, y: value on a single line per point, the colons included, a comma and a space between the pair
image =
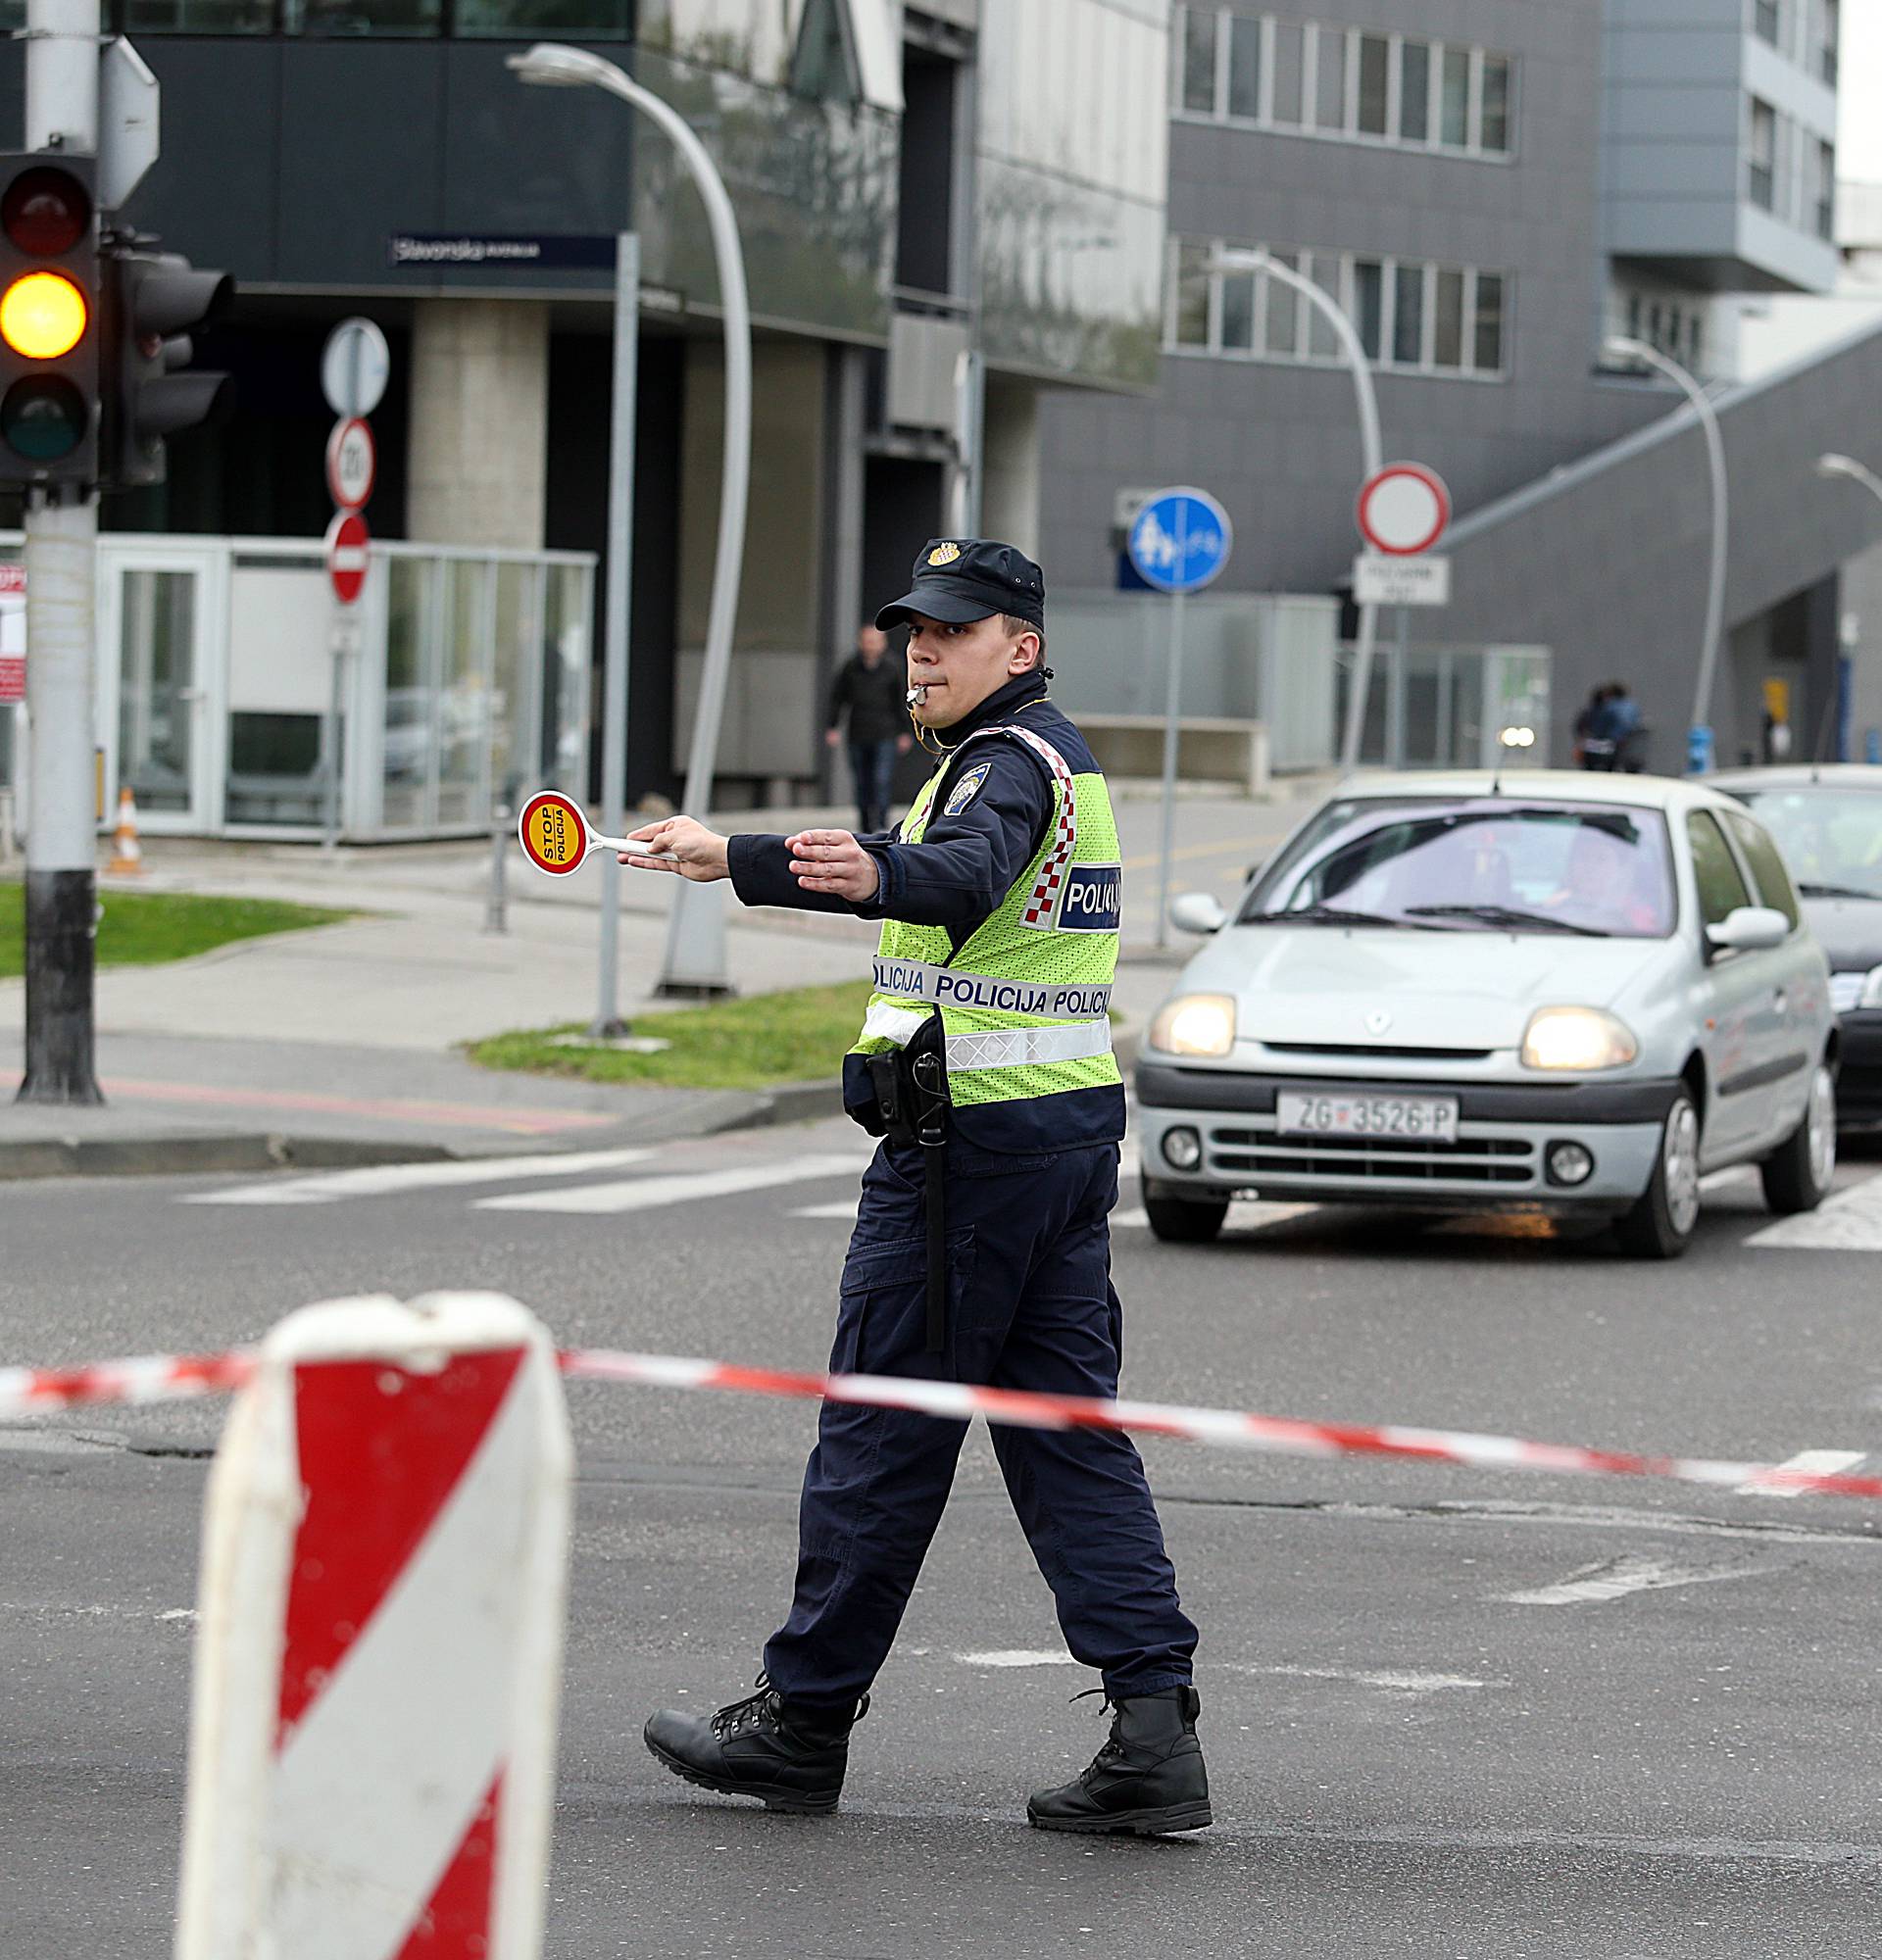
x: 352, y: 463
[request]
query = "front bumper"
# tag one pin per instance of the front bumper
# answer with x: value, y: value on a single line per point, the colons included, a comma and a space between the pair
x: 1859, y: 1075
x: 1497, y: 1163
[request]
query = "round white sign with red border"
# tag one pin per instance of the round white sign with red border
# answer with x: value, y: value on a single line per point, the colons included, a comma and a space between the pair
x: 352, y: 463
x: 1404, y: 508
x: 347, y: 539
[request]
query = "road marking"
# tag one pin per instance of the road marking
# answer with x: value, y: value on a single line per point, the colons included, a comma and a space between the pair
x: 1615, y: 1579
x: 1849, y: 1221
x: 1389, y: 1681
x: 1813, y: 1462
x: 383, y: 1180
x: 843, y: 1207
x: 1245, y: 1214
x: 1019, y: 1657
x: 644, y: 1194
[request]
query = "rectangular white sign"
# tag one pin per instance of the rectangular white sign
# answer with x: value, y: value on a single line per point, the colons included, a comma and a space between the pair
x: 1379, y: 579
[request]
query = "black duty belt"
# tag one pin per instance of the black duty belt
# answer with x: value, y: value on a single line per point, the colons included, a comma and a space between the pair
x: 912, y: 1107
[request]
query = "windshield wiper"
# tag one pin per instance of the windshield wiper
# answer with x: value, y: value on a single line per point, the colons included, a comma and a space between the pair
x: 1836, y: 891
x: 1326, y: 915
x: 1511, y: 916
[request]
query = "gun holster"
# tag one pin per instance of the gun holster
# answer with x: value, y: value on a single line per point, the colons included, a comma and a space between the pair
x: 911, y: 1086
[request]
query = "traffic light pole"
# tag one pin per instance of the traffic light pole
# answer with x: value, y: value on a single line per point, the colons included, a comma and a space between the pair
x: 60, y: 565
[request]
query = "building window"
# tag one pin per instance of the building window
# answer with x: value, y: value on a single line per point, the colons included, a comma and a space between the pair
x: 1290, y: 73
x: 1487, y: 354
x: 1826, y: 190
x: 820, y: 72
x: 1454, y: 107
x: 191, y: 16
x: 1340, y: 83
x: 1415, y: 91
x: 335, y: 18
x: 1201, y: 27
x: 1829, y: 34
x: 1375, y: 55
x: 1368, y: 306
x: 1411, y: 317
x: 1244, y: 66
x: 1329, y: 113
x: 1762, y: 185
x: 1767, y: 22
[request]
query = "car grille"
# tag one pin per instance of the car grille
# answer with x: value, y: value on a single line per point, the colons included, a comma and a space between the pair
x: 1372, y: 1050
x: 1259, y: 1153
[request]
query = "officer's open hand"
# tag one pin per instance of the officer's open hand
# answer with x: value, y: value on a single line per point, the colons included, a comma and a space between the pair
x: 833, y: 862
x: 684, y: 845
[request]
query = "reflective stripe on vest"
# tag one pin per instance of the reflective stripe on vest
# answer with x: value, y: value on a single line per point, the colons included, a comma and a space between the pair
x: 950, y: 987
x: 1027, y: 1048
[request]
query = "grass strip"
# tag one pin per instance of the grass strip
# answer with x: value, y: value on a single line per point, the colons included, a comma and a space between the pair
x: 149, y: 929
x: 799, y: 1036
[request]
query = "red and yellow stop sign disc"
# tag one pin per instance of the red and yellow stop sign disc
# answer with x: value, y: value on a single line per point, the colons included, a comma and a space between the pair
x: 554, y: 833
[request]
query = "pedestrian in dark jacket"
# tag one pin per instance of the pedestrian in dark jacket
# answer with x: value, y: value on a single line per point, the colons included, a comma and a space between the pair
x: 871, y: 690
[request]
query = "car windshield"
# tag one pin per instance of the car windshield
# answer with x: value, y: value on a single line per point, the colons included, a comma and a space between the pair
x: 1830, y: 838
x: 1476, y: 864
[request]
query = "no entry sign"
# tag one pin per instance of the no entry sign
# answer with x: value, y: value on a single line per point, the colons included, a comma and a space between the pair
x: 1404, y: 508
x: 347, y: 539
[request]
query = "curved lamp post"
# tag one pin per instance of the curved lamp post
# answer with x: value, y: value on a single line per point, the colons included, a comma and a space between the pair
x: 1699, y: 743
x: 1833, y: 465
x: 696, y: 930
x: 1230, y: 259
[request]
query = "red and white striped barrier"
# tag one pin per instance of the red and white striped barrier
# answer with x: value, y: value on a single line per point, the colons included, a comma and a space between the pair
x: 373, y: 1717
x: 159, y: 1377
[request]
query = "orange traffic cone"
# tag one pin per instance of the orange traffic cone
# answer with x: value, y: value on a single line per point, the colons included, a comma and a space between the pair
x: 127, y: 861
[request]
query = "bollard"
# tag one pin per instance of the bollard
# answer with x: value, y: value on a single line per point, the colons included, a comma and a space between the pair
x: 374, y: 1710
x: 5, y: 826
x: 493, y: 919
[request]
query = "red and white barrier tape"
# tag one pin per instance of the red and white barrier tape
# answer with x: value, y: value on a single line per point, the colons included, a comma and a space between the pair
x: 170, y: 1378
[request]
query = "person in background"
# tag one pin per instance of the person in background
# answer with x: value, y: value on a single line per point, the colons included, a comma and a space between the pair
x: 873, y: 689
x: 1591, y: 748
x: 1620, y: 725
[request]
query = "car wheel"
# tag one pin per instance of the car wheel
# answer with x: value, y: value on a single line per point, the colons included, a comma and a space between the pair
x: 1660, y: 1224
x: 1797, y: 1174
x: 1185, y: 1221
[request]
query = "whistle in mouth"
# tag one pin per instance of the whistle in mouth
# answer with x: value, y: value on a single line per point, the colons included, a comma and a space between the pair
x: 917, y: 697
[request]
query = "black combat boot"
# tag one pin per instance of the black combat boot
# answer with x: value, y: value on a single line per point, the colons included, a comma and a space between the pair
x: 1148, y: 1779
x: 760, y: 1747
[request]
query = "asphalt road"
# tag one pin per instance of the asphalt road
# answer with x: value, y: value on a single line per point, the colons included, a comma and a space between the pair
x: 1448, y: 1712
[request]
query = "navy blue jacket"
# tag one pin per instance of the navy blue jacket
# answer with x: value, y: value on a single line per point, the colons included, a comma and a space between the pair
x: 958, y: 873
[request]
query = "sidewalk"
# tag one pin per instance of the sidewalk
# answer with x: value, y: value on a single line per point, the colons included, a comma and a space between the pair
x: 337, y: 1046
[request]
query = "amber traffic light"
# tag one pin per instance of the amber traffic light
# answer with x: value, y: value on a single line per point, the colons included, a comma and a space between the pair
x: 48, y: 321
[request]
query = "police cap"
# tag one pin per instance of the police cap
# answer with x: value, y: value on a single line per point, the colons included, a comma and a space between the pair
x: 963, y: 579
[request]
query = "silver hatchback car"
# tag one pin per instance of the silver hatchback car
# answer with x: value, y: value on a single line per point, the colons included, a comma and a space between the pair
x: 1555, y: 992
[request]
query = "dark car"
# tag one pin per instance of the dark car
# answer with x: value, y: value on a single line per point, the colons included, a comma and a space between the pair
x: 1827, y: 821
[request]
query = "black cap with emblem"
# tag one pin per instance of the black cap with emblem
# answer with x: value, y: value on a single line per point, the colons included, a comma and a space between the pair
x: 963, y: 579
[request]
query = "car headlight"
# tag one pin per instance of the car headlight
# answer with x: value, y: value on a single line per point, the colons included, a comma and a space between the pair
x: 1195, y: 1024
x: 1577, y: 1038
x: 1849, y: 991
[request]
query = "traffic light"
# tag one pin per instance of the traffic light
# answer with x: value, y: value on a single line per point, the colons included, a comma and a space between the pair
x: 48, y: 326
x: 152, y: 302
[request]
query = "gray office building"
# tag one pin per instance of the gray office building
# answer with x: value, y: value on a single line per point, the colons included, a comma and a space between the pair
x: 1492, y: 190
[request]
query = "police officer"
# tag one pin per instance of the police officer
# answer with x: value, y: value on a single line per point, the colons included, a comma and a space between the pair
x: 981, y: 1251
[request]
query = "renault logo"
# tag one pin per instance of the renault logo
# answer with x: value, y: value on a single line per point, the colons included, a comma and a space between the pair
x: 1377, y: 1021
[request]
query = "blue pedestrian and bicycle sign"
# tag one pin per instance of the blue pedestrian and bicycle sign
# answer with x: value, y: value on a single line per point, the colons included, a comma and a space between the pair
x: 1180, y: 540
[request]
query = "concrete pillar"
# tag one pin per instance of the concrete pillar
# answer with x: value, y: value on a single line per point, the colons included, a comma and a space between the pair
x: 1009, y: 468
x: 479, y: 441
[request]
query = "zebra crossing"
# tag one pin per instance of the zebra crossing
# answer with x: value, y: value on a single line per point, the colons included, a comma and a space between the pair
x: 614, y: 1183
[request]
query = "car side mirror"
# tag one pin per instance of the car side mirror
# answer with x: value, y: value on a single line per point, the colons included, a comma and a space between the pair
x: 1749, y: 929
x: 1197, y: 913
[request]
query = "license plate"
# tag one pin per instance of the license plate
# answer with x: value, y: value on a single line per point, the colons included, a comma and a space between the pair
x: 1409, y: 1118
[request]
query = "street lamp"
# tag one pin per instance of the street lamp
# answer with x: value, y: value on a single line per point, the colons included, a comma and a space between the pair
x: 1699, y: 743
x: 1833, y: 465
x: 1846, y: 465
x: 696, y: 929
x: 1234, y: 259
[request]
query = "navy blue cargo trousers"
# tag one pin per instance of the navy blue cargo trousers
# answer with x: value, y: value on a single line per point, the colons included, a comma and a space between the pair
x: 1030, y: 1307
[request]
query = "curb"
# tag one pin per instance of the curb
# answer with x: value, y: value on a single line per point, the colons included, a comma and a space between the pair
x: 160, y: 1156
